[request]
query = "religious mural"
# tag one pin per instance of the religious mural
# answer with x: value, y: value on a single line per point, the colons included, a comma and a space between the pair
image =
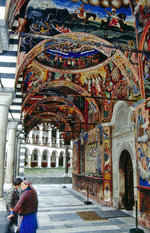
x: 98, y: 160
x: 110, y: 77
x: 143, y: 145
x: 76, y: 160
x: 106, y: 80
x: 111, y: 20
x: 146, y: 61
x: 92, y: 152
x: 143, y: 159
x: 80, y: 58
x: 141, y: 9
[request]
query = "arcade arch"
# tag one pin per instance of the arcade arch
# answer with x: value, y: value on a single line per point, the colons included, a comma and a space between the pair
x: 124, y: 156
x: 45, y: 155
x: 126, y: 181
x: 95, y: 78
x: 67, y: 88
x: 61, y: 159
x: 35, y: 158
x: 54, y: 159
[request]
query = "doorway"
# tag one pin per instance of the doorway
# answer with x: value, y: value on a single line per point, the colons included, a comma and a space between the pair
x: 126, y: 181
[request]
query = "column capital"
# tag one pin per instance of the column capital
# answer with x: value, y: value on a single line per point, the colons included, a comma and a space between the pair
x: 41, y: 127
x: 66, y: 147
x: 12, y: 124
x: 6, y: 98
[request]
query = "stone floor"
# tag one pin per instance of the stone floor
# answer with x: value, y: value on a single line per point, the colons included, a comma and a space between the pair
x: 58, y: 207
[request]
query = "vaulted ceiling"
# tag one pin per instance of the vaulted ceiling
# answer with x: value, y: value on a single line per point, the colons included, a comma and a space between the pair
x: 75, y: 62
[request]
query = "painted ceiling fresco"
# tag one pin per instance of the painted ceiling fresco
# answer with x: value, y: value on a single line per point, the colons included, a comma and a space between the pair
x: 78, y: 57
x: 111, y: 20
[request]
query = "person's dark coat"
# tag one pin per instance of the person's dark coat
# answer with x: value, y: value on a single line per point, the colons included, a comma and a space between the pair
x: 28, y: 203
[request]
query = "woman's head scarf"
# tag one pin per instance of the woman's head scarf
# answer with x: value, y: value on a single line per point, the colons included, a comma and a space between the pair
x: 27, y: 182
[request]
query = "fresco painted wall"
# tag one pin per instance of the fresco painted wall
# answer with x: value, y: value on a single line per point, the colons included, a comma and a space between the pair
x: 105, y: 19
x: 76, y: 159
x: 97, y: 175
x: 113, y: 77
x: 110, y: 20
x: 141, y: 11
x: 112, y: 68
x: 143, y: 160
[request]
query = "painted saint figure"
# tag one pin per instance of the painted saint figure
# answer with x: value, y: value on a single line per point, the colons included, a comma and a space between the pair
x: 114, y: 20
x: 81, y: 12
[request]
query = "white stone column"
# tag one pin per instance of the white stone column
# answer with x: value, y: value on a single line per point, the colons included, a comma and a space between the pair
x: 30, y: 137
x: 39, y: 160
x: 57, y: 161
x: 50, y: 136
x: 70, y: 162
x: 135, y: 186
x: 71, y: 144
x: 64, y: 161
x: 11, y: 152
x: 41, y: 134
x: 58, y: 138
x: 29, y: 160
x: 22, y: 157
x: 49, y: 161
x: 18, y: 157
x: 16, y: 153
x: 5, y: 101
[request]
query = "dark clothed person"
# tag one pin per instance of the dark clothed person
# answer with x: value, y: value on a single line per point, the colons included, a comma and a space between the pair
x: 27, y: 209
x: 12, y: 197
x: 27, y: 203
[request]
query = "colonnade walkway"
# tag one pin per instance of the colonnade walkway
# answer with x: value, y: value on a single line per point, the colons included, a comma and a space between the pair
x: 61, y: 210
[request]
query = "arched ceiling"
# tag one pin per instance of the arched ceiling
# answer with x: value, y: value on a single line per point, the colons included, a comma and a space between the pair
x: 75, y: 68
x: 74, y: 81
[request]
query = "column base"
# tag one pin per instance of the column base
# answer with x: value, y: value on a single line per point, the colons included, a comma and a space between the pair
x: 2, y: 204
x: 88, y: 203
x: 66, y: 175
x: 7, y: 186
x: 27, y: 166
x: 136, y: 230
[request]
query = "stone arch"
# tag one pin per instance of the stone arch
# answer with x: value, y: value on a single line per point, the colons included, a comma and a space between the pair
x: 53, y: 158
x: 126, y: 181
x: 27, y: 153
x: 44, y: 158
x: 33, y: 138
x: 37, y: 139
x: 69, y: 156
x: 45, y: 140
x: 61, y: 160
x: 123, y: 139
x: 117, y: 176
x: 35, y: 157
x: 122, y: 117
